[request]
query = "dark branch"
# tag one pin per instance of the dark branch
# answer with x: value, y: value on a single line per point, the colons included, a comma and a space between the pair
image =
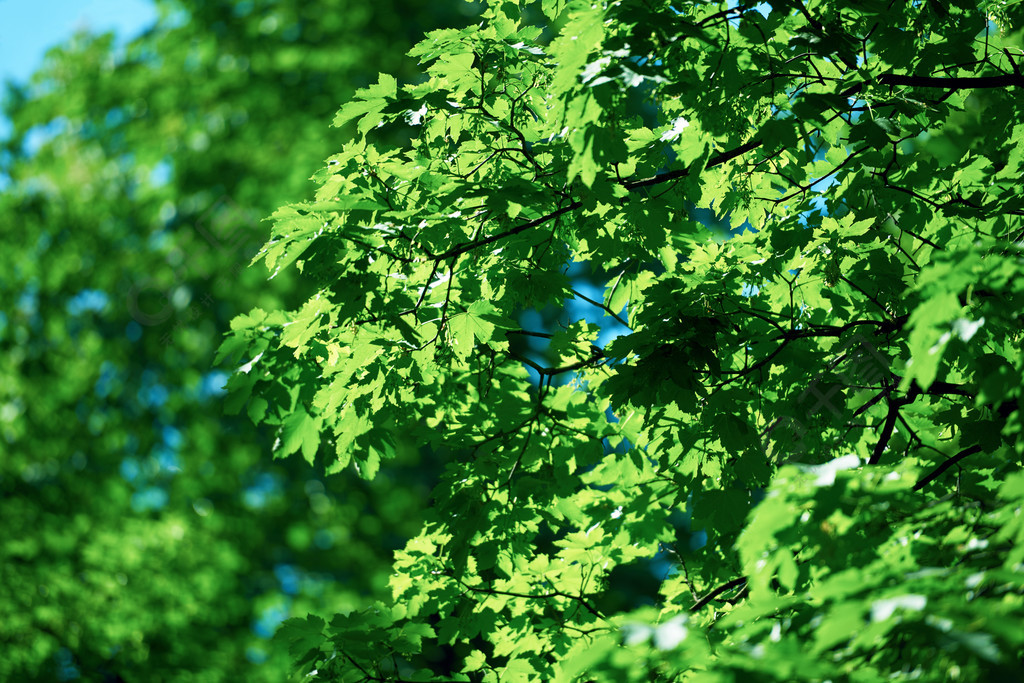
x: 940, y: 388
x: 838, y: 330
x: 596, y: 355
x: 735, y: 583
x: 601, y: 306
x: 1004, y: 81
x: 890, y: 422
x: 949, y: 462
x: 527, y: 333
x: 683, y: 172
x: 555, y: 593
x: 460, y: 249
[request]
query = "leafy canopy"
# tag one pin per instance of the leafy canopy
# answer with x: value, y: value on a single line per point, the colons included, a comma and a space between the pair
x: 809, y: 425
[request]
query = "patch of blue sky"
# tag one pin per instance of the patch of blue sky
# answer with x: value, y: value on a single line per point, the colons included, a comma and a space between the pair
x: 213, y: 384
x: 258, y: 494
x: 532, y: 373
x: 149, y: 499
x: 167, y: 460
x: 153, y: 395
x: 574, y: 308
x: 254, y: 499
x: 662, y: 568
x: 818, y: 201
x: 28, y: 302
x: 162, y: 462
x: 37, y: 137
x: 29, y: 29
x: 171, y: 437
x: 289, y: 578
x: 270, y: 618
x: 763, y: 7
x: 115, y: 117
x: 581, y: 309
x: 87, y: 300
x: 105, y: 382
x: 161, y: 174
x: 533, y: 321
x: 130, y: 469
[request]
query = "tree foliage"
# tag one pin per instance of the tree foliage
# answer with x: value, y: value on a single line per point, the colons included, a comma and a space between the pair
x: 829, y: 393
x: 144, y: 536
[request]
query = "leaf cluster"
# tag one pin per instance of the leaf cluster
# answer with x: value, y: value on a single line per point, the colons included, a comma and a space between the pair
x: 827, y: 394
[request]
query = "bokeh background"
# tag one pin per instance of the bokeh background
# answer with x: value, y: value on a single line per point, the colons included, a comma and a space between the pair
x: 147, y: 535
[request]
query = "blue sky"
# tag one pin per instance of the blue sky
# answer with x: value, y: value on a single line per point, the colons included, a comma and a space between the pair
x: 28, y: 28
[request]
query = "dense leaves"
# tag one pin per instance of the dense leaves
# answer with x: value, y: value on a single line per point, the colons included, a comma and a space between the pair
x: 830, y: 391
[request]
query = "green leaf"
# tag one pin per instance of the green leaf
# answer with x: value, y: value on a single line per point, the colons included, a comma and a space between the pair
x: 302, y: 635
x: 476, y: 325
x: 930, y: 333
x: 300, y: 430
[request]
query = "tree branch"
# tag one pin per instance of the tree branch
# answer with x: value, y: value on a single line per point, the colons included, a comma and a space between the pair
x: 890, y: 422
x: 1005, y: 81
x: 735, y: 583
x: 460, y: 249
x: 555, y: 593
x: 673, y: 175
x: 601, y: 306
x: 596, y: 355
x: 949, y: 462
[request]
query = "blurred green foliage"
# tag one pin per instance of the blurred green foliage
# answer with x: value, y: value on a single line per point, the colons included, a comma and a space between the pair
x: 145, y: 536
